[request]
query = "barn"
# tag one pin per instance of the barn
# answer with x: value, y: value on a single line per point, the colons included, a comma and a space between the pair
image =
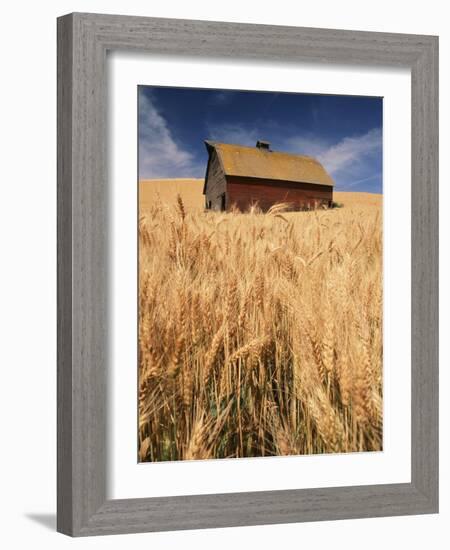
x: 242, y: 176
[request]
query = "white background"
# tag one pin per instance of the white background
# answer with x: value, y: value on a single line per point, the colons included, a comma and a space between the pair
x: 27, y: 289
x: 127, y: 479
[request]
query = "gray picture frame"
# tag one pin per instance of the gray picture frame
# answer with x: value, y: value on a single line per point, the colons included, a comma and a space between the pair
x: 83, y: 240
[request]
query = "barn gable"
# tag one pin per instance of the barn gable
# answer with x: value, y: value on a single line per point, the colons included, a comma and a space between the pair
x: 215, y: 183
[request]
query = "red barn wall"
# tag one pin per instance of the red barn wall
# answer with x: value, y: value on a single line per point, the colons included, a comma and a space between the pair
x: 243, y: 192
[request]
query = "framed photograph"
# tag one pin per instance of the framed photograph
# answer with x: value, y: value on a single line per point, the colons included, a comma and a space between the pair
x: 247, y: 274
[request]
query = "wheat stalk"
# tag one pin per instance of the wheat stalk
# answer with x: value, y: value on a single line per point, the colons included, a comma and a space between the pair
x: 258, y: 337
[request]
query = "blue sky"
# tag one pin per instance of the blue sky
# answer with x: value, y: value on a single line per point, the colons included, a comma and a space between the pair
x: 343, y: 132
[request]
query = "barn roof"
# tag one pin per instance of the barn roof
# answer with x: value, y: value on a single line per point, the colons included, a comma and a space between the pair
x: 256, y: 162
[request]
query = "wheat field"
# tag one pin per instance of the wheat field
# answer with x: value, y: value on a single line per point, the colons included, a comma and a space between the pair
x: 259, y: 334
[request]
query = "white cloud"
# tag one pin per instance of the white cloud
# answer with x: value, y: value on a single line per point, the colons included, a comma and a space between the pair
x: 233, y: 133
x: 159, y: 154
x: 352, y: 151
x: 305, y: 145
x: 363, y: 180
x: 349, y: 155
x: 221, y: 97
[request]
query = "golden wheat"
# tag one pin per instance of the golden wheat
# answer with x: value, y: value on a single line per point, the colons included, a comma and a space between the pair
x: 259, y: 334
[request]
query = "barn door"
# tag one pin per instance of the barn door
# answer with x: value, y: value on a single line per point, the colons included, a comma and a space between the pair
x: 222, y: 202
